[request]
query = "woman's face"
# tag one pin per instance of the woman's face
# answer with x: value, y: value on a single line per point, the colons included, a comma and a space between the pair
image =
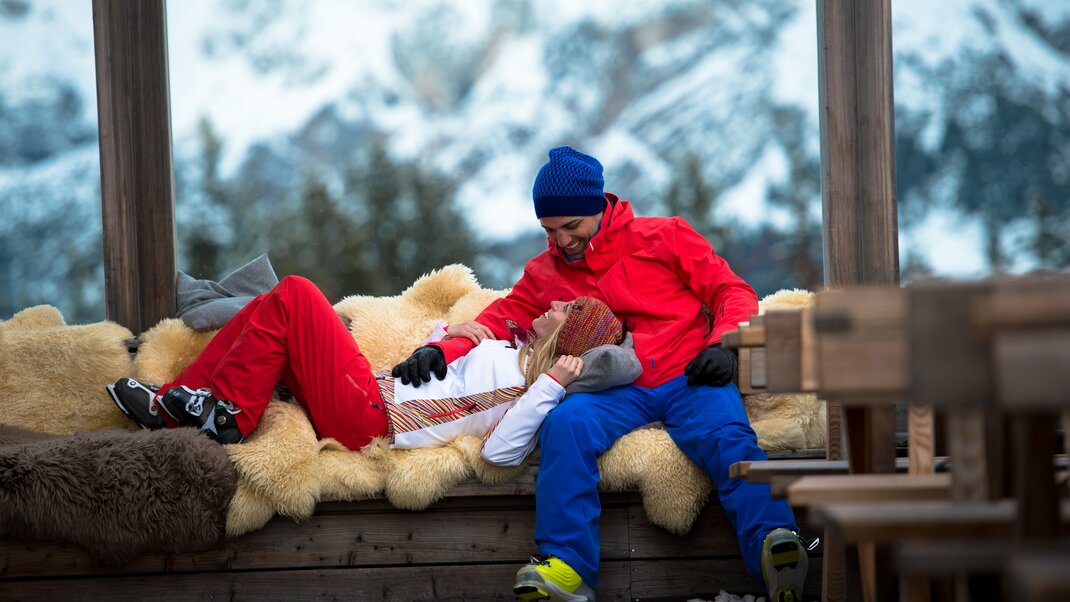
x: 545, y: 324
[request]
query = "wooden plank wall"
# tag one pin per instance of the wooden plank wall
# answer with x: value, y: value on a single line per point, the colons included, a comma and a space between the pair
x: 463, y: 548
x: 137, y: 181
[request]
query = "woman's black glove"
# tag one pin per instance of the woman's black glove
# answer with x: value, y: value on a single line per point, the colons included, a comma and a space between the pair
x: 419, y: 366
x: 713, y: 366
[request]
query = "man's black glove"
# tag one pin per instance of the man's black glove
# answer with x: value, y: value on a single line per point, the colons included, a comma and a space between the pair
x: 713, y: 366
x: 419, y: 366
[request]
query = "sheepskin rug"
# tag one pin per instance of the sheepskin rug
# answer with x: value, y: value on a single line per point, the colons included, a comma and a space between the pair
x: 115, y: 493
x: 284, y: 469
x: 786, y: 421
x: 52, y: 376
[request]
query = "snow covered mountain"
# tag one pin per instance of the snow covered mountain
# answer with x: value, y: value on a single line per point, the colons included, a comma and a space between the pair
x: 479, y: 90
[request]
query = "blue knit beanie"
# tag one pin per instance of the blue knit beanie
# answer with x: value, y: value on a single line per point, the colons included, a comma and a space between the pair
x: 569, y: 184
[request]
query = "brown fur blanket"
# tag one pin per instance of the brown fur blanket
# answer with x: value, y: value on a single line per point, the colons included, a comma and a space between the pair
x: 116, y: 493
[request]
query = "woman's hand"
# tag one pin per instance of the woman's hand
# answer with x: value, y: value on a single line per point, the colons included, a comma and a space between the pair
x: 566, y: 370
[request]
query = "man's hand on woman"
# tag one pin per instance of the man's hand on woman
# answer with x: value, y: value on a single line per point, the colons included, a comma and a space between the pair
x: 472, y: 330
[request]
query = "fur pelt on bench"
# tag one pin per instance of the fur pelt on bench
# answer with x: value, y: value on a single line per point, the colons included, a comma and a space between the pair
x: 283, y: 468
x: 115, y: 493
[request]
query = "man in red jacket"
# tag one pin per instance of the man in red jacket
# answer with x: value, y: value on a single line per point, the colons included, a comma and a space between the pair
x: 676, y: 297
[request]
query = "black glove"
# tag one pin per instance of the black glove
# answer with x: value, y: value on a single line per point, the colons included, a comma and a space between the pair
x: 713, y: 366
x: 418, y: 368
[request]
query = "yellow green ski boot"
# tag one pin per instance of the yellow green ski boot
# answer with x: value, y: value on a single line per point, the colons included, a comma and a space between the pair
x: 550, y: 578
x: 784, y: 563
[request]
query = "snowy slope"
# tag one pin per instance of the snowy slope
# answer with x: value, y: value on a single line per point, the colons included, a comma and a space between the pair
x: 392, y: 64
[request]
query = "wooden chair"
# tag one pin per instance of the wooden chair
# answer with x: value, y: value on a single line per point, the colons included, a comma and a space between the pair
x: 844, y: 366
x: 994, y: 356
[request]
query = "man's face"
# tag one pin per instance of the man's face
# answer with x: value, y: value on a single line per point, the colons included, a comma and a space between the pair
x: 571, y: 233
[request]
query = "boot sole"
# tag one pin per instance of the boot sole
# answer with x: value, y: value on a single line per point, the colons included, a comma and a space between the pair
x: 786, y: 570
x: 119, y: 404
x: 789, y: 555
x: 530, y: 589
x: 151, y: 422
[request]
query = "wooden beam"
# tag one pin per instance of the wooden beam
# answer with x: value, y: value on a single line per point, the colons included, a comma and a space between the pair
x: 858, y: 176
x: 922, y: 520
x: 137, y: 182
x: 862, y: 347
x: 784, y: 350
x: 950, y: 365
x: 921, y: 439
x: 857, y: 142
x: 764, y: 471
x: 1032, y: 443
x: 828, y: 489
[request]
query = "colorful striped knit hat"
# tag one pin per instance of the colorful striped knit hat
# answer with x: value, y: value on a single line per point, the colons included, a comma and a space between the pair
x: 589, y: 323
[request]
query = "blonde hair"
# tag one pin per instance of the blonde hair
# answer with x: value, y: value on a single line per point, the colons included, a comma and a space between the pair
x: 537, y: 356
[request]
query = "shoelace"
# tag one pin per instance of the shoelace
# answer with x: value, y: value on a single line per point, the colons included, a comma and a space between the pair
x: 196, y: 403
x: 809, y: 544
x: 229, y: 406
x: 543, y: 560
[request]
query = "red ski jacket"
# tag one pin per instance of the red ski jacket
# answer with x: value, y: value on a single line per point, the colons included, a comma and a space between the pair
x: 656, y: 273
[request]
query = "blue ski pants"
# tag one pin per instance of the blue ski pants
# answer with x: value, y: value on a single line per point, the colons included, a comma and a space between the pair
x: 708, y: 424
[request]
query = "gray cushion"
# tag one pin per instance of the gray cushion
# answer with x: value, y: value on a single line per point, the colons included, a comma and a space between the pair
x: 208, y: 305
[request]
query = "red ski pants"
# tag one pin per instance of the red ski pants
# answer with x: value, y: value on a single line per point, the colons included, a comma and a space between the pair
x: 292, y: 334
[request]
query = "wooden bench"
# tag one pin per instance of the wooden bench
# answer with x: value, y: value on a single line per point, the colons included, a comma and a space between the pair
x: 465, y: 547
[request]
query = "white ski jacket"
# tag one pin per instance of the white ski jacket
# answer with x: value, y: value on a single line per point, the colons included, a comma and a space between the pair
x: 483, y: 394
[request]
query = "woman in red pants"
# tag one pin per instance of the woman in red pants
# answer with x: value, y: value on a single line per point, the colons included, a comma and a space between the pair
x: 501, y: 390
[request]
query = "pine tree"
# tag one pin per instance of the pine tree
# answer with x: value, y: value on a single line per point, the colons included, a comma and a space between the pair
x: 440, y: 231
x: 202, y: 249
x: 323, y: 243
x: 1050, y: 244
x: 413, y: 223
x: 801, y: 246
x: 374, y: 188
x: 691, y: 197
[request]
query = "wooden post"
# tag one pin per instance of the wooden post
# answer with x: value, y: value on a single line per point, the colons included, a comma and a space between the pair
x: 858, y: 179
x: 858, y: 202
x: 137, y: 181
